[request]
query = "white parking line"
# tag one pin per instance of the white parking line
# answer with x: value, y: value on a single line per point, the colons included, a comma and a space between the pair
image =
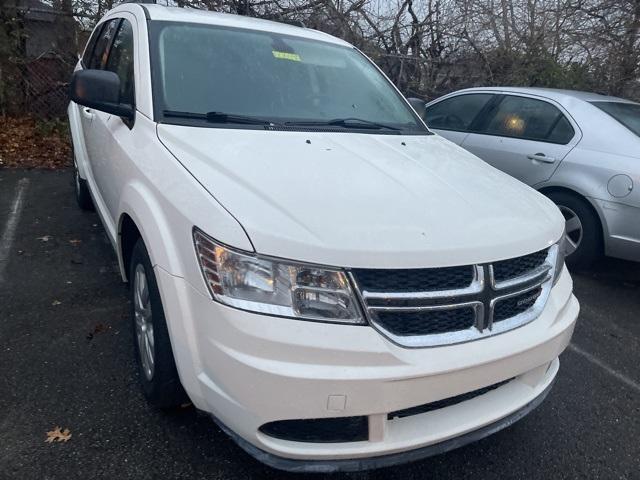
x: 9, y: 232
x: 620, y: 376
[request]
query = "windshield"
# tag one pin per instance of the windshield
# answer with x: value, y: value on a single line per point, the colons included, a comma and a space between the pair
x: 628, y: 114
x: 235, y: 75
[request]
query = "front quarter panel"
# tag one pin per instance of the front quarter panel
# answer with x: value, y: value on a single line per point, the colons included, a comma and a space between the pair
x: 166, y: 202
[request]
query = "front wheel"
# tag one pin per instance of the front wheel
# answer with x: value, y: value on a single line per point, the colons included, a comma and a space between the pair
x: 158, y: 373
x: 584, y: 233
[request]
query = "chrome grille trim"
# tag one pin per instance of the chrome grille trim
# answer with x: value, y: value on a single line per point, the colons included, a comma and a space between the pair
x: 528, y: 277
x: 448, y: 306
x: 482, y: 295
x: 476, y: 286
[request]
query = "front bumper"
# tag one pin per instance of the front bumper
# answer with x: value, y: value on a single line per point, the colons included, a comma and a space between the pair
x: 248, y: 369
x: 382, y: 461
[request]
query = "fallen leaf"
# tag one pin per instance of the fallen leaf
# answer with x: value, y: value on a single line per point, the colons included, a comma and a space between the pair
x: 57, y: 435
x: 56, y: 302
x: 26, y: 142
x: 75, y: 242
x: 44, y: 238
x: 99, y: 328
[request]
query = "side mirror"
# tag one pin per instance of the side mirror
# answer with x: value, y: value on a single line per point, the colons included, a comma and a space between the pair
x: 418, y: 105
x: 99, y: 89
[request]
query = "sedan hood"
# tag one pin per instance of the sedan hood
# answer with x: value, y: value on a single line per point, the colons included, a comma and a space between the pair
x: 363, y: 200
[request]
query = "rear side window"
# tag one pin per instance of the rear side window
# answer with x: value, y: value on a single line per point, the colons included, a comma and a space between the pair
x: 456, y: 113
x: 628, y: 114
x: 98, y: 58
x: 121, y: 61
x: 529, y: 119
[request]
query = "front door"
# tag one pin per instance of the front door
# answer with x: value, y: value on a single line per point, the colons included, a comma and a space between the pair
x: 111, y: 131
x: 95, y: 58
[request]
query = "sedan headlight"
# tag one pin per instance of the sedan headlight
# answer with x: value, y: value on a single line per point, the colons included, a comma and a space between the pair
x: 560, y: 254
x: 273, y: 286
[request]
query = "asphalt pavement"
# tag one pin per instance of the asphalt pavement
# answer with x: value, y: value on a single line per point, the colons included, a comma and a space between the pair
x: 66, y: 359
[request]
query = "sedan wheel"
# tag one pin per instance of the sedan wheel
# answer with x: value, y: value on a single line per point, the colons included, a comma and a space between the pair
x: 573, y: 227
x: 583, y: 229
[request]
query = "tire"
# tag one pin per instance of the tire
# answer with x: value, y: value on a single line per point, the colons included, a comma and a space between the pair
x: 159, y: 378
x: 588, y: 242
x: 83, y: 196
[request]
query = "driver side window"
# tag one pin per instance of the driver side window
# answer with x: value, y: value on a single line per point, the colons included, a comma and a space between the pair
x: 100, y: 48
x: 456, y: 113
x: 120, y: 61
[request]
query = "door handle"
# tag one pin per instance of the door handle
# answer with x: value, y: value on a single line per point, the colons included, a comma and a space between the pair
x: 541, y: 157
x: 87, y: 112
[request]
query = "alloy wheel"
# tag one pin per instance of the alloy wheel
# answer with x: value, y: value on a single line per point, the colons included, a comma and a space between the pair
x: 574, y: 229
x: 144, y: 321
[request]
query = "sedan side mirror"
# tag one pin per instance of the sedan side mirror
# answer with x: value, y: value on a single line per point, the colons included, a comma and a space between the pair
x: 418, y: 105
x: 99, y: 89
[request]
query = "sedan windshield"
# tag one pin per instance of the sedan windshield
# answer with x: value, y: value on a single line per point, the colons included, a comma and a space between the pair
x: 217, y: 75
x: 628, y: 114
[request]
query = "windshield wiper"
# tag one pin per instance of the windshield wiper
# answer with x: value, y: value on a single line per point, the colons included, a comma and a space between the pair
x: 219, y: 117
x: 358, y: 123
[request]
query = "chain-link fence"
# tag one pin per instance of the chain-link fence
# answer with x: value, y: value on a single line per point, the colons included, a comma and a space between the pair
x: 38, y: 50
x: 41, y: 86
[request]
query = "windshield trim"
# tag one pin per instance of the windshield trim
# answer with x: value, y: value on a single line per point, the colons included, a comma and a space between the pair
x: 154, y: 29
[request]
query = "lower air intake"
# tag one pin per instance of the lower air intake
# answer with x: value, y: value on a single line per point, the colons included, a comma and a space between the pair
x: 319, y: 430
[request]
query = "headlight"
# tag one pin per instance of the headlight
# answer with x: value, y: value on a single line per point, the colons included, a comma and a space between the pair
x: 560, y: 254
x: 273, y: 286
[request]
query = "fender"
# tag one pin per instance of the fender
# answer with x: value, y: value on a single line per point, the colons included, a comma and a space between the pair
x: 144, y: 208
x: 142, y: 205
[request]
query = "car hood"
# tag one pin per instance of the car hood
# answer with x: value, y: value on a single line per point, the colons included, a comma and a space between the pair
x: 364, y: 200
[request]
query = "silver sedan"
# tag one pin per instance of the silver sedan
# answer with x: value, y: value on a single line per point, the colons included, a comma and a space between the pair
x: 580, y: 149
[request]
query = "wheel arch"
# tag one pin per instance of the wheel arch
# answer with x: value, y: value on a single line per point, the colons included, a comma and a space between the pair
x: 128, y: 235
x: 593, y: 206
x: 142, y: 217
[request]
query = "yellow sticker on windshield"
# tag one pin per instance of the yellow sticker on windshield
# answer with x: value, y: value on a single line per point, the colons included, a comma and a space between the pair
x: 294, y: 57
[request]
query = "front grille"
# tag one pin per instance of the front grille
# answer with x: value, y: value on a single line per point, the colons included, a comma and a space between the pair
x: 319, y: 430
x: 442, y: 306
x: 447, y: 402
x: 512, y: 306
x: 426, y: 322
x: 516, y: 267
x: 414, y: 280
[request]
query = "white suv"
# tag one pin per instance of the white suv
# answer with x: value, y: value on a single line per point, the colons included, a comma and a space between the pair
x: 338, y: 287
